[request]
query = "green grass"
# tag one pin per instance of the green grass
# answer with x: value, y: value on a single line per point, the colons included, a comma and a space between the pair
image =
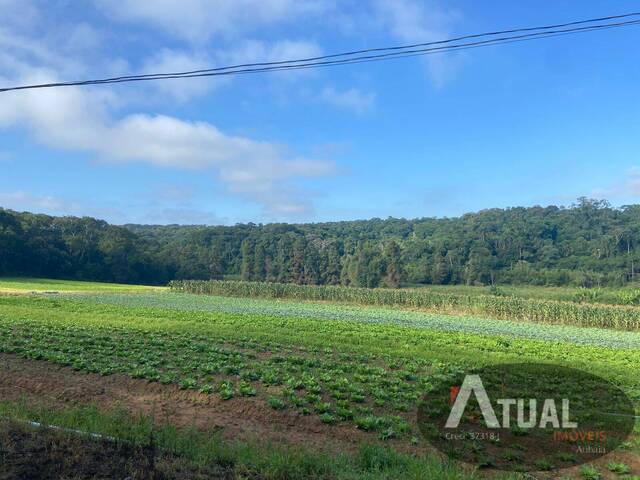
x: 606, y: 295
x: 193, y: 451
x: 10, y: 284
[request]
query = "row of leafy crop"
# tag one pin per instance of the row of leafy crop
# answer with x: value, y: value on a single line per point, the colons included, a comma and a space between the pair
x: 543, y: 311
x: 336, y: 387
x: 371, y: 315
x: 304, y: 365
x: 173, y: 345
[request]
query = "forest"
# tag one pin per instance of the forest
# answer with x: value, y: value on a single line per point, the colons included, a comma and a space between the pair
x: 589, y: 243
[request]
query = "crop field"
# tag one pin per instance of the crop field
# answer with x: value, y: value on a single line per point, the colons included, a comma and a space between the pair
x: 494, y: 306
x: 373, y: 315
x: 628, y: 295
x: 25, y: 285
x: 320, y: 372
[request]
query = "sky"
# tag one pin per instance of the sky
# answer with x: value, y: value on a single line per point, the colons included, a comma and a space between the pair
x: 532, y: 123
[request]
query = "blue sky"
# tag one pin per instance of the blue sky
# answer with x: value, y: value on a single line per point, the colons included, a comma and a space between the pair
x: 539, y: 122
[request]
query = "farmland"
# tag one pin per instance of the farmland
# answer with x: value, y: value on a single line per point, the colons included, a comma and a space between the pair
x: 25, y: 285
x: 496, y: 306
x: 332, y: 370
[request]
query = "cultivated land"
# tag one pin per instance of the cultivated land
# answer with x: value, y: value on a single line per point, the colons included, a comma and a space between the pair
x: 26, y: 285
x: 233, y: 387
x: 629, y: 295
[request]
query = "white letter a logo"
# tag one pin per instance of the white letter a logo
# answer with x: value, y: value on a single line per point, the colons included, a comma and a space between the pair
x: 472, y: 383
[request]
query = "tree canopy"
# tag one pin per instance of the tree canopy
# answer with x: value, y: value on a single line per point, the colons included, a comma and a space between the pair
x: 587, y: 244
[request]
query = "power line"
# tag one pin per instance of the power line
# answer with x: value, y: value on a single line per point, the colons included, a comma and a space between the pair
x: 362, y: 59
x: 373, y: 54
x: 397, y: 47
x: 369, y: 58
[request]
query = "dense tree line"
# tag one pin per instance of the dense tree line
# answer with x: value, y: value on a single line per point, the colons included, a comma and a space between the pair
x: 588, y: 244
x: 77, y: 248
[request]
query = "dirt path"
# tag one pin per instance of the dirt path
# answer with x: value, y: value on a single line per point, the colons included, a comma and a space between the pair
x: 43, y: 383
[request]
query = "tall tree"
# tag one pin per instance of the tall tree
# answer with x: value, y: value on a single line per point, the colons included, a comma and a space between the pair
x: 393, y: 264
x: 247, y: 250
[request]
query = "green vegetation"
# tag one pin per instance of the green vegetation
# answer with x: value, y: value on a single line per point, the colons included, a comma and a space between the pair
x: 606, y: 295
x: 347, y: 365
x: 495, y: 306
x: 367, y: 374
x: 372, y: 315
x: 49, y: 285
x: 188, y: 454
x: 589, y: 472
x: 587, y: 245
x: 618, y: 467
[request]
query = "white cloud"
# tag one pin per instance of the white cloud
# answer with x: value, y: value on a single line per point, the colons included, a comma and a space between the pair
x: 24, y: 201
x: 80, y: 119
x: 171, y: 61
x: 412, y: 22
x: 626, y: 187
x: 248, y: 51
x: 352, y: 99
x: 19, y: 13
x: 87, y: 119
x: 173, y: 193
x: 633, y: 181
x: 18, y: 52
x: 29, y: 37
x: 164, y: 211
x: 184, y: 216
x: 199, y: 20
x: 79, y: 37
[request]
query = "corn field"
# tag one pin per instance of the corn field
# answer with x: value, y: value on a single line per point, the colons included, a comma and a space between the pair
x: 511, y: 308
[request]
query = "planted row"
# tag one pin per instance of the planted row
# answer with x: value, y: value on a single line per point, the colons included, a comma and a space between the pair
x: 338, y: 387
x: 363, y: 374
x: 371, y: 315
x: 511, y: 308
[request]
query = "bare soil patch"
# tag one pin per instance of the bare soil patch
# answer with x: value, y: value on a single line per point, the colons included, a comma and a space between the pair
x: 43, y: 383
